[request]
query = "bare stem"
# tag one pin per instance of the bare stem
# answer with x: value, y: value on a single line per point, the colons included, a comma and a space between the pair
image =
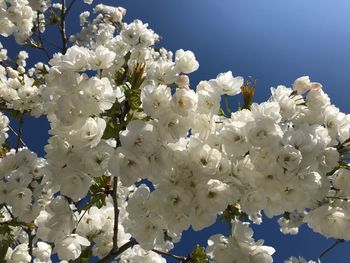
x: 9, y: 211
x: 69, y: 7
x: 16, y: 134
x: 167, y: 254
x: 324, y: 252
x: 30, y: 241
x: 123, y: 248
x: 81, y: 217
x: 19, y: 133
x: 63, y: 27
x: 227, y: 105
x: 116, y: 214
x: 42, y: 46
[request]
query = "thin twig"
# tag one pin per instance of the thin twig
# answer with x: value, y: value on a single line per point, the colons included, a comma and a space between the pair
x: 123, y: 248
x: 9, y: 211
x: 51, y: 43
x: 42, y: 46
x: 116, y: 214
x: 227, y: 105
x: 167, y: 254
x: 338, y: 241
x: 338, y: 197
x: 30, y: 241
x: 19, y: 133
x: 16, y: 134
x: 69, y: 7
x: 63, y: 27
x: 81, y: 217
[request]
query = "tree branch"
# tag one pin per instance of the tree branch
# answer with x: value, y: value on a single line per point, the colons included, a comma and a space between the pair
x: 69, y: 7
x: 116, y: 214
x: 9, y: 211
x: 167, y: 254
x: 30, y: 241
x: 123, y: 248
x: 63, y: 27
x: 42, y: 46
x: 19, y: 133
x: 338, y: 241
x: 16, y: 134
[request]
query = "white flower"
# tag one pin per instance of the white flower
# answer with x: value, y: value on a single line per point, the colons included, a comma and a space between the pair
x: 184, y: 101
x: 98, y: 95
x: 289, y: 158
x: 228, y: 84
x: 102, y: 58
x: 185, y: 61
x: 75, y: 59
x: 341, y: 179
x: 89, y: 134
x: 266, y: 110
x: 330, y: 221
x: 264, y: 133
x: 70, y: 247
x: 42, y: 252
x: 156, y: 100
x: 303, y: 84
x: 19, y: 254
x: 73, y: 183
x: 240, y: 247
x: 139, y: 137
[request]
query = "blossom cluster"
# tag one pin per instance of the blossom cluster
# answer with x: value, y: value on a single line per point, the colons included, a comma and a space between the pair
x: 135, y: 151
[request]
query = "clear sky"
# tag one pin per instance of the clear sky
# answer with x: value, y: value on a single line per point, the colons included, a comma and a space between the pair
x: 274, y: 42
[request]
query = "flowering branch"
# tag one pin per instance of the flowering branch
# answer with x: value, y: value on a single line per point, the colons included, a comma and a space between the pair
x: 42, y: 45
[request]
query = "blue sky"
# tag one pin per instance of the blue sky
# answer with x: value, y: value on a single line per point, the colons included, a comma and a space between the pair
x: 272, y: 41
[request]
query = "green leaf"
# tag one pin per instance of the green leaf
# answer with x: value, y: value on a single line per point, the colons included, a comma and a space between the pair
x: 85, y: 255
x: 221, y: 113
x: 232, y: 212
x: 15, y: 115
x: 3, y: 249
x: 197, y: 256
x: 6, y: 240
x: 98, y: 192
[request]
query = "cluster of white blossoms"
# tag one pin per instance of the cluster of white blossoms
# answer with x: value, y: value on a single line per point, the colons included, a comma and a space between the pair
x: 136, y: 153
x: 16, y: 17
x: 4, y: 122
x: 18, y: 89
x: 239, y: 247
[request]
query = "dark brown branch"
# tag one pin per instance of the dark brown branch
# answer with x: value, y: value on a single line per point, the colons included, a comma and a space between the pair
x: 123, y: 248
x: 116, y: 214
x: 30, y: 241
x: 81, y: 217
x: 63, y: 27
x: 69, y: 7
x: 167, y: 254
x: 19, y: 133
x: 9, y: 211
x: 324, y: 252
